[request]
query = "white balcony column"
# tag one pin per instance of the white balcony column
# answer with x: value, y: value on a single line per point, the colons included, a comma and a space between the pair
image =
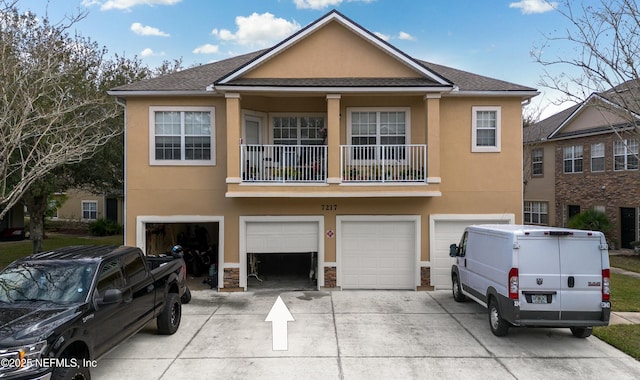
x: 333, y: 138
x: 432, y: 105
x: 233, y: 137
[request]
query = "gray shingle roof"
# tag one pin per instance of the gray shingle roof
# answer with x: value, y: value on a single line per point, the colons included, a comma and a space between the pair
x: 200, y: 77
x: 193, y: 79
x: 541, y: 130
x: 334, y: 82
x: 467, y: 81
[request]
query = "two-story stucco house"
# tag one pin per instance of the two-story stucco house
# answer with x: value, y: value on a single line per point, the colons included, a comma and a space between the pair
x: 332, y: 150
x: 586, y: 157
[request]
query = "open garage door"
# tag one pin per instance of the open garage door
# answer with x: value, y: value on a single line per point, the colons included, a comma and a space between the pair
x: 447, y: 229
x: 378, y: 254
x: 281, y: 254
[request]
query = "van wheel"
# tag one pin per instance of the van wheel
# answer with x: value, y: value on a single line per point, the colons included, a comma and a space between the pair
x: 169, y: 319
x: 499, y: 327
x: 457, y: 290
x: 581, y: 332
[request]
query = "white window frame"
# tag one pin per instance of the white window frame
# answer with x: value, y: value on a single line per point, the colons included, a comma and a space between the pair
x: 627, y: 152
x: 378, y: 110
x: 540, y: 163
x: 538, y: 208
x: 298, y: 116
x: 95, y: 210
x: 181, y: 162
x: 593, y: 156
x: 474, y: 129
x: 573, y: 159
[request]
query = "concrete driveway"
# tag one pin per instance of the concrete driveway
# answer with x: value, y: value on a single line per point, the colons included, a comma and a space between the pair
x: 356, y: 335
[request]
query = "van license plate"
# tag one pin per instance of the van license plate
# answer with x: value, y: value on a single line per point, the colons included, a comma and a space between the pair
x: 538, y: 298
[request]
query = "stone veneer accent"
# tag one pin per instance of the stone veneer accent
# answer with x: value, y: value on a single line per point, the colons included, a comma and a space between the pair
x: 231, y: 278
x: 330, y: 277
x: 425, y: 276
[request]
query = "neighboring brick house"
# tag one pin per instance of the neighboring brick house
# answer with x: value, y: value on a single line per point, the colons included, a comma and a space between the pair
x: 332, y: 153
x: 585, y: 157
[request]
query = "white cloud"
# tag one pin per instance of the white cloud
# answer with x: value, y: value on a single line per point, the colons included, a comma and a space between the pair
x: 143, y: 30
x: 406, y: 36
x: 126, y: 4
x: 258, y: 29
x: 382, y: 36
x: 206, y: 49
x: 528, y: 7
x: 321, y: 4
x: 150, y: 53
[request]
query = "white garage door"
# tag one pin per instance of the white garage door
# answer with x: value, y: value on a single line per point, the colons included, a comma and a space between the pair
x: 378, y: 254
x: 445, y: 232
x: 282, y: 237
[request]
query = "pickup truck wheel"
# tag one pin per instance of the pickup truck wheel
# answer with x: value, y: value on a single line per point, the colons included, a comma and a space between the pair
x: 581, y: 332
x: 169, y: 319
x: 457, y: 289
x: 499, y: 327
x: 71, y: 373
x: 186, y: 297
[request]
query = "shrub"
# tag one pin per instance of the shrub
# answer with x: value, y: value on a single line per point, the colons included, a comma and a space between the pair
x: 590, y: 220
x: 104, y: 227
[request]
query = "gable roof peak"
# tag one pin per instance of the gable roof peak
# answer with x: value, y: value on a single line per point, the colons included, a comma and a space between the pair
x: 354, y: 27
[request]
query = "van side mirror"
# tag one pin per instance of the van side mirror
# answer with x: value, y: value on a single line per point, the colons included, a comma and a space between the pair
x: 453, y: 250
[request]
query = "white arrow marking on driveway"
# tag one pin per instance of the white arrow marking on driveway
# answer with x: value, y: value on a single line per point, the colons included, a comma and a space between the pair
x: 279, y: 316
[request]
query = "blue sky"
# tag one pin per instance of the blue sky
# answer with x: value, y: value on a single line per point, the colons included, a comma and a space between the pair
x: 487, y: 37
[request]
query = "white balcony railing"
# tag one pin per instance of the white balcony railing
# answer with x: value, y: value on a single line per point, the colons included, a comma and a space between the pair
x: 284, y: 163
x: 358, y: 163
x: 383, y: 163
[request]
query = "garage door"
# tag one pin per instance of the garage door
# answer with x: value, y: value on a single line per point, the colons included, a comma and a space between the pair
x: 378, y: 254
x: 444, y: 232
x: 282, y: 237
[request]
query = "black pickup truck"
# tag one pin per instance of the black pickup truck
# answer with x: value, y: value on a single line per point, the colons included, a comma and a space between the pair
x: 62, y: 310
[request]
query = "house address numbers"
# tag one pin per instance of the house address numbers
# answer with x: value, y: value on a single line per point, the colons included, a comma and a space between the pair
x: 329, y: 207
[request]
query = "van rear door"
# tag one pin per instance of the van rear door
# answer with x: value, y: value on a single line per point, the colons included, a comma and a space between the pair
x: 539, y: 271
x: 581, y: 260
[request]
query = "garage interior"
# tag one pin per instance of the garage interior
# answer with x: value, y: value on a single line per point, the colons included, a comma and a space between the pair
x: 199, y: 242
x: 282, y: 271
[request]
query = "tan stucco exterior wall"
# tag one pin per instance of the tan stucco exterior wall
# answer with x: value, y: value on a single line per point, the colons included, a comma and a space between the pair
x: 541, y: 188
x: 317, y: 54
x: 472, y: 183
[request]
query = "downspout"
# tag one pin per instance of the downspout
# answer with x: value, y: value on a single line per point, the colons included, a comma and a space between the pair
x: 123, y: 102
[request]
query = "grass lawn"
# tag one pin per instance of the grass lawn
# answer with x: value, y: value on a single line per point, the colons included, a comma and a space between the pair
x: 631, y: 263
x: 10, y: 251
x: 625, y: 296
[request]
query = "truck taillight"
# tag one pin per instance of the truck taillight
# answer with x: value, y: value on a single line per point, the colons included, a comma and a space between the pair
x: 606, y: 289
x: 513, y: 283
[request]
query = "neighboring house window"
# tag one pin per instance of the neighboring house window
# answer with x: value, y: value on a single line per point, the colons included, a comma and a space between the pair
x: 89, y: 210
x: 298, y: 130
x: 485, y: 135
x: 376, y: 133
x: 597, y: 157
x: 625, y: 155
x: 536, y: 161
x: 536, y: 213
x: 181, y: 136
x: 573, y: 159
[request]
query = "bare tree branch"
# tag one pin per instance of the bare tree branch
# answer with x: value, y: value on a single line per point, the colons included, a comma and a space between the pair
x: 52, y: 109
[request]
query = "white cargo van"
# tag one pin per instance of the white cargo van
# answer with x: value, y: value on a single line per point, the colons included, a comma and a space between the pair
x: 534, y: 276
